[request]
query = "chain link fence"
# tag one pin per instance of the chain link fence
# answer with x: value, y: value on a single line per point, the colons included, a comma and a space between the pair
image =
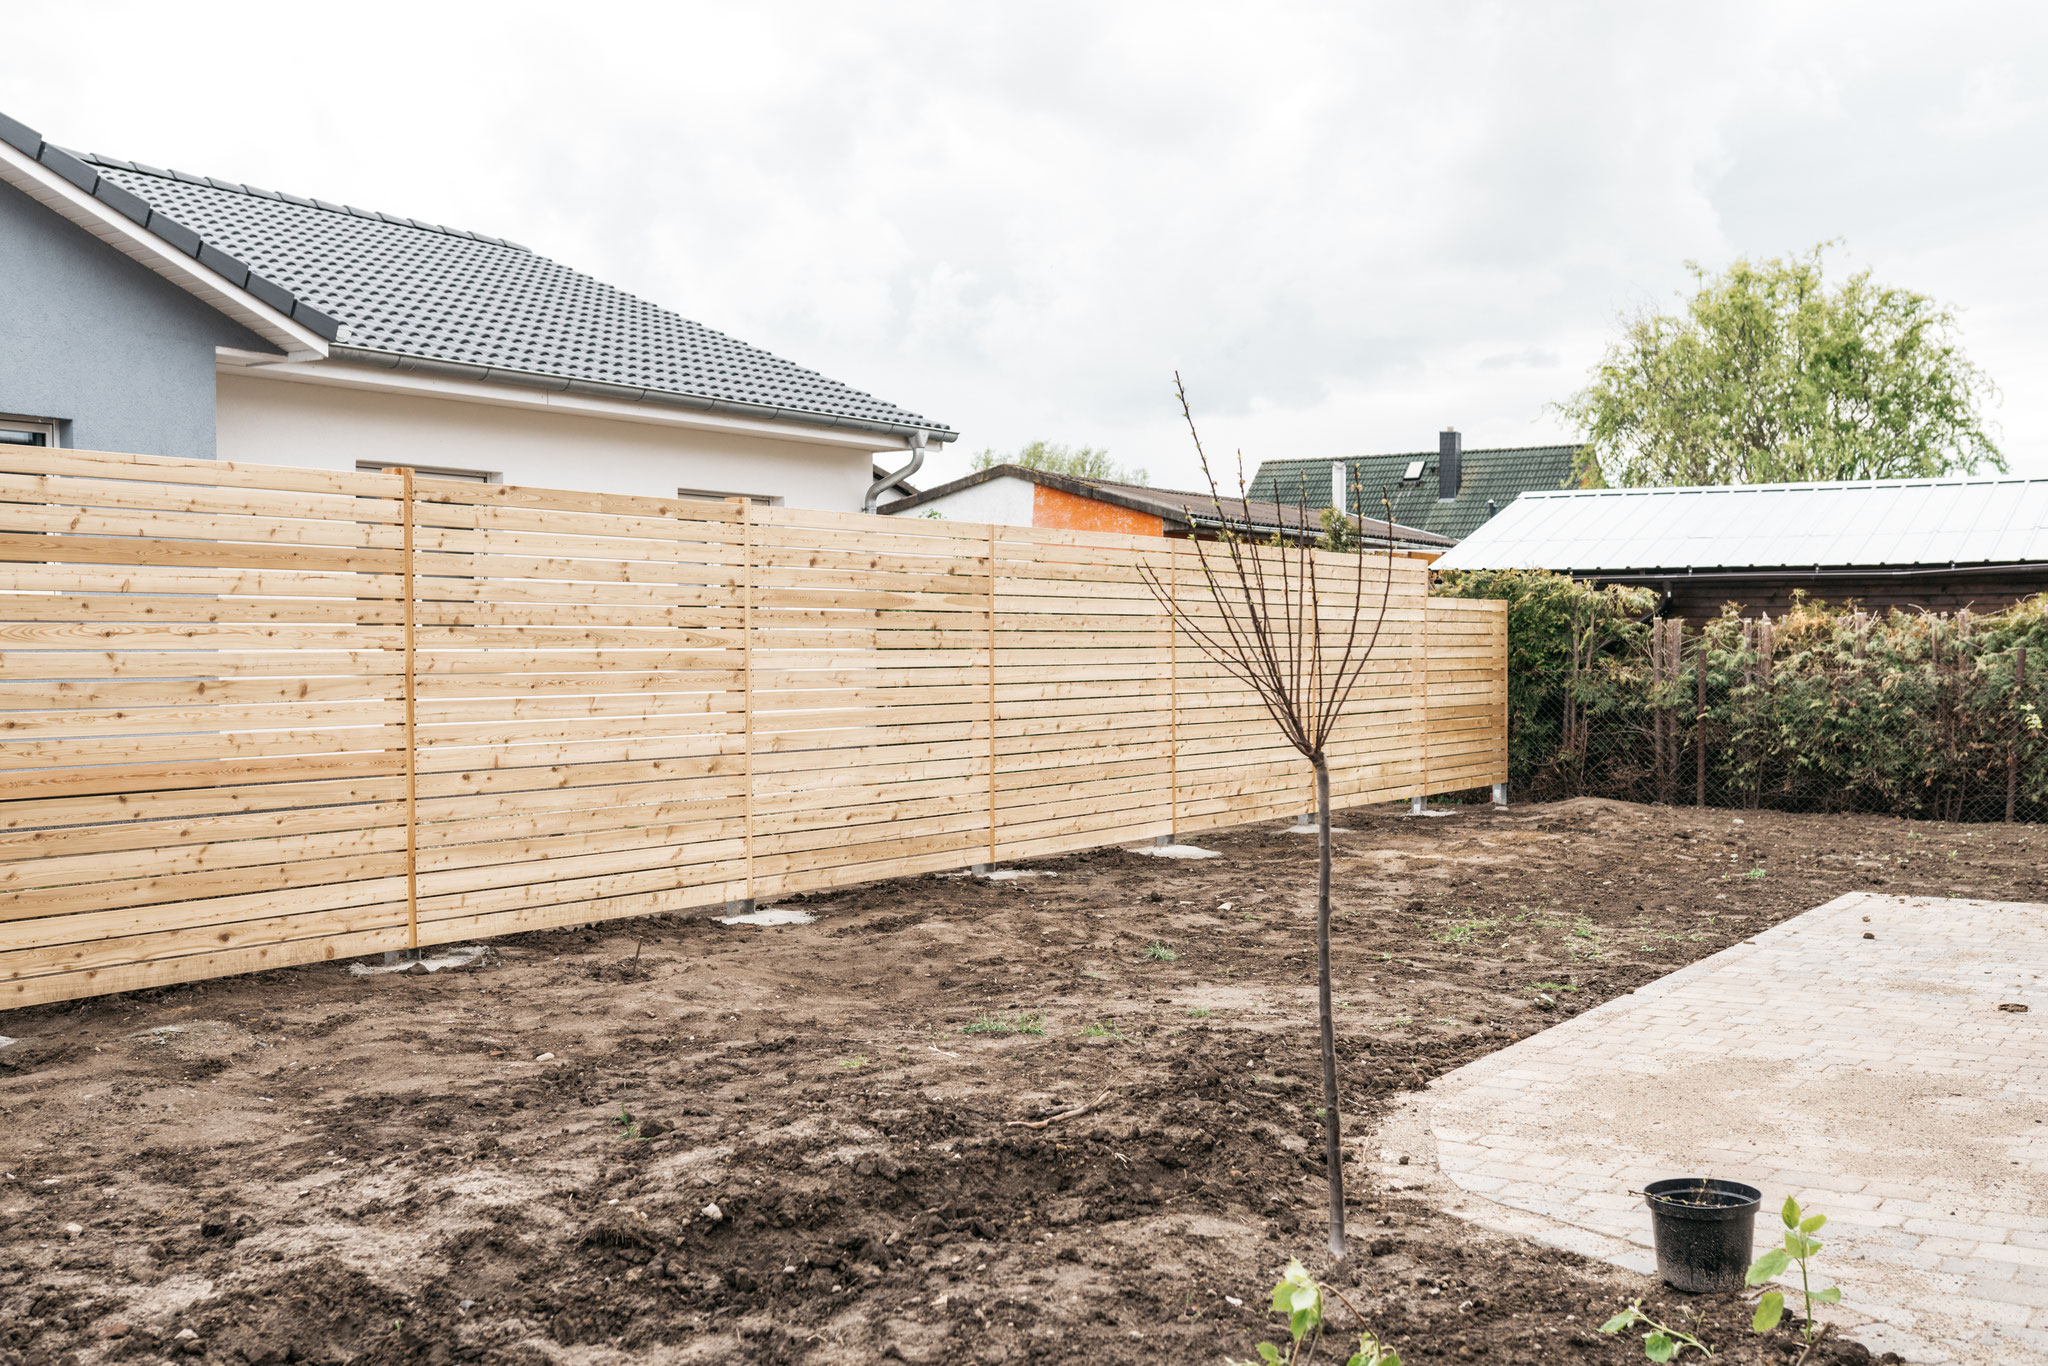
x: 1931, y: 717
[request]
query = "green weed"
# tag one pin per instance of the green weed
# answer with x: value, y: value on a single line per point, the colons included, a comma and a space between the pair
x: 1001, y: 1025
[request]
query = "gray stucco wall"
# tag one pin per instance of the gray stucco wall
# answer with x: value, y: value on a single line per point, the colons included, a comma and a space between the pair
x: 119, y: 354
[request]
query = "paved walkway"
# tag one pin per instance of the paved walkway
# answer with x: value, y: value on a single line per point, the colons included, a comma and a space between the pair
x: 1854, y: 1056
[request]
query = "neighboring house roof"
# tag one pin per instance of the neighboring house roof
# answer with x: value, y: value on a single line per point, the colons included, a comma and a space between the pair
x: 1494, y: 477
x: 1936, y: 522
x: 1180, y: 510
x: 395, y: 291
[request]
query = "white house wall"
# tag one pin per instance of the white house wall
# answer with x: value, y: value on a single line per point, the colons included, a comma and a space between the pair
x: 279, y: 422
x: 1004, y: 502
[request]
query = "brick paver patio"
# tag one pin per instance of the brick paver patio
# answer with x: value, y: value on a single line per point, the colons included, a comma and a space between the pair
x: 1854, y: 1056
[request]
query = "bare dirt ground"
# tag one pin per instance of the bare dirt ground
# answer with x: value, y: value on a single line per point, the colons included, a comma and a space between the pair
x: 671, y: 1140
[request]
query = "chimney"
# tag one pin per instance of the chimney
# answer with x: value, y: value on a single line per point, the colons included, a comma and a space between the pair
x: 1450, y: 464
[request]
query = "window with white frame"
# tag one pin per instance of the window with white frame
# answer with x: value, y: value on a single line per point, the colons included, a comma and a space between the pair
x: 428, y: 471
x: 27, y: 431
x: 720, y: 495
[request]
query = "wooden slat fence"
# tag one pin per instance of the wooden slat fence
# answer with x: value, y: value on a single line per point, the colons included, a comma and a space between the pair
x: 253, y: 716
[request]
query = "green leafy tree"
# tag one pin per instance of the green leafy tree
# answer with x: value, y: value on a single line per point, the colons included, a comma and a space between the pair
x: 1077, y: 462
x: 1771, y: 376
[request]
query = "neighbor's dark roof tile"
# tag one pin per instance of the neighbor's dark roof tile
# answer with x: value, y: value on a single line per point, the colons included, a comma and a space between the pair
x: 1491, y: 476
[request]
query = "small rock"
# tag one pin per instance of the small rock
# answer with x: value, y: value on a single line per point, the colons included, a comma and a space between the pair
x: 116, y: 1329
x: 545, y: 1057
x: 2015, y: 1007
x: 185, y: 1335
x: 73, y: 1230
x: 1868, y: 935
x: 1404, y: 1159
x: 713, y: 1212
x: 418, y: 969
x: 652, y: 1128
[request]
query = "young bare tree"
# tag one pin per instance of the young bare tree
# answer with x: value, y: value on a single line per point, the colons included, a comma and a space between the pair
x: 1297, y: 627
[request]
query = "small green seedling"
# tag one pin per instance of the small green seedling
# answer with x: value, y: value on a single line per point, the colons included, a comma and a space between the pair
x: 629, y: 1127
x: 1199, y: 1012
x: 1661, y: 1342
x: 1300, y: 1297
x: 1101, y: 1029
x: 857, y: 1060
x: 1161, y: 953
x: 1001, y: 1025
x: 1799, y: 1245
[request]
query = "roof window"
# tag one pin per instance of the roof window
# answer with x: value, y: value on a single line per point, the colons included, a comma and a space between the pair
x: 1414, y: 472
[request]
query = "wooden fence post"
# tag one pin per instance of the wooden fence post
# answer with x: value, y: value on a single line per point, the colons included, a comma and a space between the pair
x: 1172, y: 690
x: 747, y: 683
x: 412, y: 744
x: 991, y: 698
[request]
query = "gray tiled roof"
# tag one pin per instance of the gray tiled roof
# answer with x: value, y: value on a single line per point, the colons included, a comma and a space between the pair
x: 380, y: 283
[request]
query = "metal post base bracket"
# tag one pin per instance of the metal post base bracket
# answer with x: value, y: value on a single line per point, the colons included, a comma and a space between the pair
x: 979, y: 869
x: 1161, y: 841
x: 1418, y: 805
x: 1500, y: 794
x: 743, y: 906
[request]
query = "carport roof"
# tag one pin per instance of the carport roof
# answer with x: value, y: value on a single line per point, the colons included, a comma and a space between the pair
x: 2002, y: 520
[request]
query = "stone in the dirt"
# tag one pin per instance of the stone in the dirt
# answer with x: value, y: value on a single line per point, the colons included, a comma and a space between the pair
x: 116, y: 1329
x: 185, y: 1335
x: 545, y: 1057
x: 773, y: 915
x: 713, y: 1212
x: 1175, y: 851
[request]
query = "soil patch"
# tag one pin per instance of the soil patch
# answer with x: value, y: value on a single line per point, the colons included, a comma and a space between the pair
x: 676, y: 1140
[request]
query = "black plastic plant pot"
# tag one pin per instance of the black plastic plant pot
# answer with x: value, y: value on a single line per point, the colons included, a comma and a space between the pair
x: 1703, y: 1228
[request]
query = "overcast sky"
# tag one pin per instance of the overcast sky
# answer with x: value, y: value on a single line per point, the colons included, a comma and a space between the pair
x: 1346, y: 225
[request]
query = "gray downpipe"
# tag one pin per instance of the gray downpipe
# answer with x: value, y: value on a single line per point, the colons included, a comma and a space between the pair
x: 882, y: 485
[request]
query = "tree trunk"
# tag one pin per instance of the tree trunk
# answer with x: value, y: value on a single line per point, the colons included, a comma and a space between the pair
x: 1333, y: 1134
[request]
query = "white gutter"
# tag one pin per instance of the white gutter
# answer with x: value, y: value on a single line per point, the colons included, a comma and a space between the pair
x: 527, y: 379
x: 342, y: 374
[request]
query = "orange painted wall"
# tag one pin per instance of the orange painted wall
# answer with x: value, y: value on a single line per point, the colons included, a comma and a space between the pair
x: 1070, y: 512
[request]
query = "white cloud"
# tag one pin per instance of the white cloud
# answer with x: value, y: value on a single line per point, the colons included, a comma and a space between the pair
x: 1346, y: 225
